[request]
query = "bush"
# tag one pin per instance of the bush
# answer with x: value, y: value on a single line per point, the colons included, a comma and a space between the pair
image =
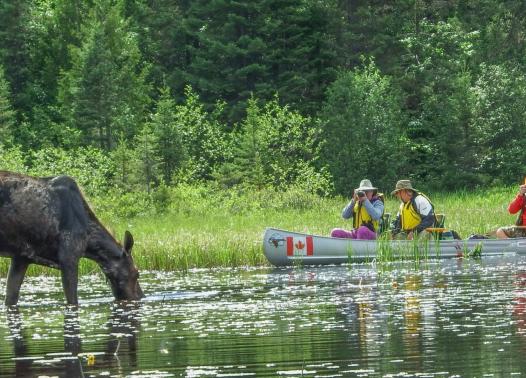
x: 90, y: 167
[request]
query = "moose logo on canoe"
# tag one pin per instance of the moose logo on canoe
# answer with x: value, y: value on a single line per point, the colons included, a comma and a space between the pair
x: 47, y: 221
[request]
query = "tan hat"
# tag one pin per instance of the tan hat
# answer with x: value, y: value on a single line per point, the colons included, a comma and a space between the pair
x: 403, y: 185
x: 366, y: 185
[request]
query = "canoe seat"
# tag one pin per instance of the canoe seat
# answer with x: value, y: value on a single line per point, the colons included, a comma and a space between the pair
x: 384, y: 223
x: 441, y: 219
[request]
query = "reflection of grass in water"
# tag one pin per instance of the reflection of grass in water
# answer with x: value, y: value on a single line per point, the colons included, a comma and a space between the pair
x: 212, y: 233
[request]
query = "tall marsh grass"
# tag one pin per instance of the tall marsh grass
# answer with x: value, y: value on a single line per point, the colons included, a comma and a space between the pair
x: 206, y: 227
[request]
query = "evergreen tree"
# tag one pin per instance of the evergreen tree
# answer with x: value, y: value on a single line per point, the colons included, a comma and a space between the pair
x: 499, y: 123
x: 7, y: 115
x: 163, y: 40
x: 168, y: 136
x: 362, y: 128
x: 225, y: 51
x: 262, y: 47
x: 202, y: 134
x: 437, y: 83
x: 277, y: 147
x: 14, y: 51
x: 123, y: 156
x: 246, y: 163
x: 105, y: 94
x: 303, y: 50
x: 147, y: 160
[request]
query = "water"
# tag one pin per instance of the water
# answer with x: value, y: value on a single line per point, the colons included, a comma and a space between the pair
x: 441, y: 319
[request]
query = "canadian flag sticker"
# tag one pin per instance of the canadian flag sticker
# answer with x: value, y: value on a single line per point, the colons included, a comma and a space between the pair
x: 299, y: 246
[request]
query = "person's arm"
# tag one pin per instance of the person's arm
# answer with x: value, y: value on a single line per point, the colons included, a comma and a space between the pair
x: 396, y: 225
x: 375, y: 209
x: 427, y: 221
x: 427, y: 214
x: 348, y: 210
x: 518, y: 201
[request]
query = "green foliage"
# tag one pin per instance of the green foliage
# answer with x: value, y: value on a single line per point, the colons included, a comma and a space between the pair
x: 500, y: 121
x: 104, y: 94
x: 362, y: 128
x: 14, y: 50
x: 276, y: 147
x: 147, y: 160
x: 12, y: 159
x: 179, y: 86
x: 122, y: 156
x: 439, y: 131
x: 237, y: 49
x: 117, y: 205
x: 168, y: 138
x: 91, y: 167
x: 7, y: 114
x: 202, y: 136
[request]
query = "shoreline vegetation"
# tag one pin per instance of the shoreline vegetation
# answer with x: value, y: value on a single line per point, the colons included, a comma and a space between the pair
x: 200, y: 227
x: 196, y: 125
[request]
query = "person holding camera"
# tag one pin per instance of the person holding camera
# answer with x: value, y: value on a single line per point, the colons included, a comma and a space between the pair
x: 366, y: 208
x: 516, y: 206
x: 416, y: 212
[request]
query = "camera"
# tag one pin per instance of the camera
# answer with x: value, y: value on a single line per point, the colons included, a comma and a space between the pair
x: 360, y: 193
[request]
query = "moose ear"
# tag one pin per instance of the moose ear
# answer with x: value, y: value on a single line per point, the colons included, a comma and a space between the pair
x: 128, y: 241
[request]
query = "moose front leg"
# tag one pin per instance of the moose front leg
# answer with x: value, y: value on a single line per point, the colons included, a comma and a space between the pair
x: 70, y: 251
x: 70, y: 278
x: 15, y: 276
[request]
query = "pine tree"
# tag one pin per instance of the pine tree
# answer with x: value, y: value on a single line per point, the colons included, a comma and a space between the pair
x: 7, y: 115
x: 105, y: 93
x: 203, y: 136
x: 168, y: 136
x: 362, y: 129
x: 14, y: 51
x: 147, y: 160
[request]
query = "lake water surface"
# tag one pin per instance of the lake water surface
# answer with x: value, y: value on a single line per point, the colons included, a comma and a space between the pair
x: 451, y: 318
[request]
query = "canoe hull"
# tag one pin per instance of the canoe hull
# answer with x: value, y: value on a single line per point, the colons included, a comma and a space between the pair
x: 285, y: 248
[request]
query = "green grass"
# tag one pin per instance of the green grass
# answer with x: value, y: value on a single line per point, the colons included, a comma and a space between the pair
x: 220, y: 234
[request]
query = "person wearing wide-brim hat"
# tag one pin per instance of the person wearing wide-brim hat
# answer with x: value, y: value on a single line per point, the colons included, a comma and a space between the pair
x: 416, y: 211
x: 366, y: 209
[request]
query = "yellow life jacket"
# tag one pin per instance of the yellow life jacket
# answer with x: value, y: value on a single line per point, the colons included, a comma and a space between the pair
x: 409, y: 216
x: 361, y: 216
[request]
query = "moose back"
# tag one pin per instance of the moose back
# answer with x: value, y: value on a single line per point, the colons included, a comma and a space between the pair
x: 47, y: 221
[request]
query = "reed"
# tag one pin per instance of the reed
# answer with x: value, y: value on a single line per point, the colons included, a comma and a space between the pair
x: 221, y: 233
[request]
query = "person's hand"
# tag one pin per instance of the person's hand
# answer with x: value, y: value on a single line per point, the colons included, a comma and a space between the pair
x: 522, y: 190
x: 410, y: 235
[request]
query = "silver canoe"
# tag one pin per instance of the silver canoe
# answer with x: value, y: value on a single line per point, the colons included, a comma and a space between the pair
x: 284, y: 248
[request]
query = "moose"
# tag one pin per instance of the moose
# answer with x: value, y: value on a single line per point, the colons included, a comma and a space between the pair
x: 47, y: 221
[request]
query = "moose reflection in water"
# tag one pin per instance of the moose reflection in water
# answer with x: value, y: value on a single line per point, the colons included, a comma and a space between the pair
x: 120, y: 347
x: 47, y: 221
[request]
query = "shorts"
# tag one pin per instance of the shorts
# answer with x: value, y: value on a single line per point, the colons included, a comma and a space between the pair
x: 514, y: 232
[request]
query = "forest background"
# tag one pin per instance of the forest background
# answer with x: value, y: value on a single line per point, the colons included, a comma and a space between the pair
x: 157, y: 106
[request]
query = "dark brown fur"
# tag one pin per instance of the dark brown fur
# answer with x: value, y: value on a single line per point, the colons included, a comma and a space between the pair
x: 47, y: 221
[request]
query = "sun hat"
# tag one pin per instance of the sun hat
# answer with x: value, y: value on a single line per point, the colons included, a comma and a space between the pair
x: 403, y: 185
x: 366, y: 185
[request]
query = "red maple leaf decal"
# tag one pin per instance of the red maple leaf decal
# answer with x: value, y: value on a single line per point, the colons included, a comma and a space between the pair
x: 300, y: 245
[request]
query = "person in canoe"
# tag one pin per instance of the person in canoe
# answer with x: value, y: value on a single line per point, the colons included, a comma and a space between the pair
x: 516, y: 206
x: 415, y: 215
x: 366, y: 209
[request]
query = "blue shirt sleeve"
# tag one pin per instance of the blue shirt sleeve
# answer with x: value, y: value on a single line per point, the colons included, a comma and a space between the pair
x: 347, y: 210
x: 375, y: 209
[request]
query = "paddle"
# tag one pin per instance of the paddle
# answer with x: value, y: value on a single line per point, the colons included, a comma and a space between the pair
x: 437, y: 229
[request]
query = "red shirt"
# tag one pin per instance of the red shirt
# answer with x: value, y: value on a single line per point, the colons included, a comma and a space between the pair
x: 516, y: 205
